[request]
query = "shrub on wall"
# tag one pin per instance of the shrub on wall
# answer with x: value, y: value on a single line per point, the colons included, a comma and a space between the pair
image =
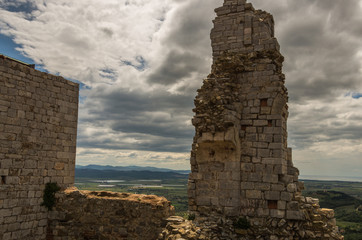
x: 49, y: 195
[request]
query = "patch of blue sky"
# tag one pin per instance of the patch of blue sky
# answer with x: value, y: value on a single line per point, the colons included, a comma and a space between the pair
x: 108, y: 73
x: 82, y: 87
x: 13, y: 6
x: 354, y: 95
x: 8, y: 48
x: 140, y: 64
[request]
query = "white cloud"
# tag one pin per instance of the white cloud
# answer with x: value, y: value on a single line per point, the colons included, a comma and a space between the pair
x: 81, y: 38
x: 85, y: 156
x: 144, y: 60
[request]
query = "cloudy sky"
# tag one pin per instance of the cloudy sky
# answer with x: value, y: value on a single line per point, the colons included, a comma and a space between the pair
x: 140, y: 62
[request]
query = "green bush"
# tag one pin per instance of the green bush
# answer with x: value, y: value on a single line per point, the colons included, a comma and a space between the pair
x: 187, y: 215
x: 242, y: 223
x: 191, y: 216
x: 49, y: 195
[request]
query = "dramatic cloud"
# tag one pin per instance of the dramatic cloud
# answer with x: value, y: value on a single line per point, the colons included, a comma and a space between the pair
x: 140, y: 63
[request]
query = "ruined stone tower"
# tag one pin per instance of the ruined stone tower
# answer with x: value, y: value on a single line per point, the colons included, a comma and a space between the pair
x: 240, y: 161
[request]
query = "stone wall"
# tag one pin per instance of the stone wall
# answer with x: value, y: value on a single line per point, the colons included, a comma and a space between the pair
x: 108, y: 215
x: 240, y: 161
x: 38, y: 128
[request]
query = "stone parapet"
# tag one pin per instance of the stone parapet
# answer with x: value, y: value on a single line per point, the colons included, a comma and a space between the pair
x: 107, y: 215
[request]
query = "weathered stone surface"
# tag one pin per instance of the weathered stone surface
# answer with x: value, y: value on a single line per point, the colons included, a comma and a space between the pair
x: 240, y: 121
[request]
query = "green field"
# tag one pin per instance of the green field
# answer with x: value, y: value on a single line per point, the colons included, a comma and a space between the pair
x: 346, y: 200
x: 344, y: 197
x: 175, y: 190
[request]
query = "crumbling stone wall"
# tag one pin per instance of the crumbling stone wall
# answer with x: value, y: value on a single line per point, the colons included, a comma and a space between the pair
x: 38, y: 128
x: 240, y: 161
x: 108, y: 215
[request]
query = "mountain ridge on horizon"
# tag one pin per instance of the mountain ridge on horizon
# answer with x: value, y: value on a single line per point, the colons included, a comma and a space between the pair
x: 156, y: 169
x: 130, y: 168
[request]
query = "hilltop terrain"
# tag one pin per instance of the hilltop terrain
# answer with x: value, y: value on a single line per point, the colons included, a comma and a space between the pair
x: 344, y: 197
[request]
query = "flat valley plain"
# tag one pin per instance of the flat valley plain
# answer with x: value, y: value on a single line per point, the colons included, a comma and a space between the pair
x: 344, y: 197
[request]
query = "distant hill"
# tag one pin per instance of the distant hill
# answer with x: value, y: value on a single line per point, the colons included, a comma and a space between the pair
x: 335, y: 199
x: 127, y: 175
x: 130, y: 168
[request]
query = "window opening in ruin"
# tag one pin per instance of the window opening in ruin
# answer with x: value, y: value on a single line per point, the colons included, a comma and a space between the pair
x: 280, y: 177
x: 270, y: 123
x: 212, y: 153
x: 264, y: 102
x: 272, y: 204
x: 3, y: 179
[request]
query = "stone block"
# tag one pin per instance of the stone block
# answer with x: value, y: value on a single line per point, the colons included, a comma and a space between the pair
x: 207, y: 137
x: 6, y: 236
x: 30, y: 164
x: 293, y: 205
x: 230, y: 135
x: 263, y: 212
x: 231, y: 185
x: 231, y: 211
x: 259, y: 123
x: 262, y: 186
x: 270, y: 178
x: 253, y: 194
x: 229, y: 202
x: 250, y: 130
x: 277, y: 153
x: 268, y: 138
x: 263, y: 153
x: 275, y: 145
x: 292, y: 187
x: 68, y: 180
x: 4, y: 172
x: 5, y: 212
x: 12, y: 180
x: 282, y: 205
x: 265, y: 110
x: 276, y: 213
x: 273, y: 161
x: 219, y: 136
x: 235, y: 176
x: 280, y: 169
x: 215, y: 201
x: 278, y: 187
x: 294, y: 215
x: 255, y: 177
x: 203, y: 201
x: 247, y: 185
x: 272, y: 195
